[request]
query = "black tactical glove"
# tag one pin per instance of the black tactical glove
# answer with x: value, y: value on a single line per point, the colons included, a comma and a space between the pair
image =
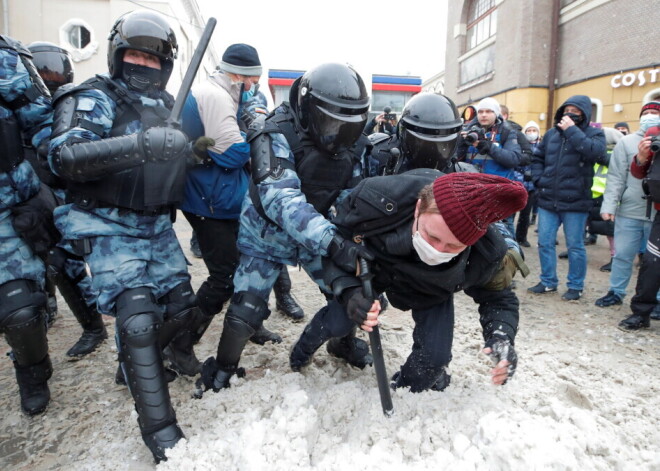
x: 484, y: 146
x: 501, y: 349
x: 357, y: 305
x: 213, y: 377
x: 33, y: 221
x: 345, y: 253
x: 162, y: 143
x: 200, y: 148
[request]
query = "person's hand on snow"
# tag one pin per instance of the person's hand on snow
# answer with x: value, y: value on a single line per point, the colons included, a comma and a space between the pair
x: 500, y: 350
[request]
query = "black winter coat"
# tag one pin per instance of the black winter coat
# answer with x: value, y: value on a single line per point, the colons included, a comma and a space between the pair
x: 563, y: 164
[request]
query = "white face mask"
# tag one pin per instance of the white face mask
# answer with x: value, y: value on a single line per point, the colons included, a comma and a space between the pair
x: 532, y: 136
x: 648, y: 121
x: 427, y: 253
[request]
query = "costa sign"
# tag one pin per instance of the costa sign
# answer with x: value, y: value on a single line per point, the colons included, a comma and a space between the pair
x: 635, y: 78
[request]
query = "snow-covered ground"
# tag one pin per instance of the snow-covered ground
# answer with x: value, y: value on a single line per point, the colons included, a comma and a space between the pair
x: 585, y: 397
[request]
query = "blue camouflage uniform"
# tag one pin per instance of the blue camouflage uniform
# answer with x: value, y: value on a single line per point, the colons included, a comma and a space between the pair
x: 17, y: 261
x: 126, y: 249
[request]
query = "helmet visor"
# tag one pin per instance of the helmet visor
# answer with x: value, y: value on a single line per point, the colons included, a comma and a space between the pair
x: 429, y: 151
x: 55, y: 68
x: 149, y: 36
x: 336, y: 129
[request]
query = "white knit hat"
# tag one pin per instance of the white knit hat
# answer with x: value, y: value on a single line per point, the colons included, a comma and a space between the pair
x: 489, y: 104
x: 532, y: 124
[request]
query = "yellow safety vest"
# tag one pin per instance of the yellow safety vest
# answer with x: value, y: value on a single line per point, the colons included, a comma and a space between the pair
x: 600, y: 179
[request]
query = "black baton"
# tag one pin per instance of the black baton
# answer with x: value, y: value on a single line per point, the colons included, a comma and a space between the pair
x: 376, y: 347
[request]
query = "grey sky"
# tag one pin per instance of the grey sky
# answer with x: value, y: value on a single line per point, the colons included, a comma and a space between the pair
x: 376, y: 37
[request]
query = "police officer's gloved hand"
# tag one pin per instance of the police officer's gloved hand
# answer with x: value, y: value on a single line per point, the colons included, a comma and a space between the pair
x: 501, y: 349
x: 200, y: 148
x: 33, y: 221
x: 357, y: 305
x: 484, y: 146
x: 345, y: 253
x: 162, y: 143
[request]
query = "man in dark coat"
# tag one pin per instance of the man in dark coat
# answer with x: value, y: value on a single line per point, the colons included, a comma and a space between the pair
x: 425, y: 250
x: 563, y: 172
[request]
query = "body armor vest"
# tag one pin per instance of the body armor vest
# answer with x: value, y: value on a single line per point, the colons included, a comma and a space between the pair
x: 151, y: 187
x: 322, y: 176
x: 11, y: 151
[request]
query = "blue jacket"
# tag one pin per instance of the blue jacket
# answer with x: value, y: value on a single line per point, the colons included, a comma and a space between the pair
x: 563, y: 164
x: 215, y: 188
x: 501, y: 154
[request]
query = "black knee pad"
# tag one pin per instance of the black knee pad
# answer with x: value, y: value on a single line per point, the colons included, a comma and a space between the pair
x: 22, y: 309
x: 178, y: 301
x: 138, y: 318
x: 249, y: 309
x: 21, y: 301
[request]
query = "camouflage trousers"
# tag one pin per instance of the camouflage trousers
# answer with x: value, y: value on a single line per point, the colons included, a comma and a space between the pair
x: 124, y: 250
x: 17, y: 261
x: 258, y: 275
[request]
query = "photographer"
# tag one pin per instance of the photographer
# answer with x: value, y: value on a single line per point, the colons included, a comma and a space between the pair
x: 384, y: 122
x: 646, y: 165
x: 491, y: 145
x: 488, y: 143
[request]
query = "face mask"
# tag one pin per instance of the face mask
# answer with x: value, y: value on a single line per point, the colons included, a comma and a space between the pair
x: 577, y: 119
x: 427, y: 253
x: 648, y: 121
x: 247, y: 95
x: 140, y: 78
x: 532, y: 136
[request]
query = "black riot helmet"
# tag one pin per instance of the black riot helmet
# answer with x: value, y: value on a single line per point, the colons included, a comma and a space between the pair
x: 53, y: 63
x: 332, y: 105
x: 145, y: 31
x: 428, y: 130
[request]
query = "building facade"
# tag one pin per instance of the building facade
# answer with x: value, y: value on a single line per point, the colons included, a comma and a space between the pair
x: 82, y: 27
x: 534, y: 54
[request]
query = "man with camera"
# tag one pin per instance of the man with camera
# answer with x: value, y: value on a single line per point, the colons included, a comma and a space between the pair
x: 646, y: 166
x: 384, y: 122
x: 490, y: 144
x: 563, y: 173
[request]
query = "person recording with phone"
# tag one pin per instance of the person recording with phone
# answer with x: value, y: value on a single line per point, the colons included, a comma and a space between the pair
x: 384, y: 122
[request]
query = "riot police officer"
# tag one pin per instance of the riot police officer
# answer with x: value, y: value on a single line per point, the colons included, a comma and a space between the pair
x: 25, y: 208
x: 55, y: 67
x: 305, y: 156
x: 125, y: 172
x: 425, y: 138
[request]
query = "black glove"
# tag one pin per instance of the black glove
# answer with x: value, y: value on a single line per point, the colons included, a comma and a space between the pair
x: 501, y: 349
x: 200, y: 148
x: 33, y: 220
x: 213, y: 377
x: 484, y: 146
x: 345, y: 253
x: 162, y: 143
x: 357, y: 305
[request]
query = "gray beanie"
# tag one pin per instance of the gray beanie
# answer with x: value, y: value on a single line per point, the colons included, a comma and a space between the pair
x: 241, y: 59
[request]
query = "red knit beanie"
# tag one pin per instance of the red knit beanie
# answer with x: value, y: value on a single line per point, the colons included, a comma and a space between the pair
x: 651, y: 105
x: 469, y: 202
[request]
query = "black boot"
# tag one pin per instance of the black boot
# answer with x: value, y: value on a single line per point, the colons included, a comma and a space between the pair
x: 263, y: 335
x: 244, y: 317
x: 607, y: 266
x: 93, y: 335
x: 179, y: 354
x: 635, y: 322
x: 284, y: 302
x: 309, y: 342
x: 355, y: 351
x: 33, y: 385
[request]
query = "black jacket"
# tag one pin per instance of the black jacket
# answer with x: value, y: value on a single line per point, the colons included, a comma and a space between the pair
x: 410, y: 283
x: 563, y: 164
